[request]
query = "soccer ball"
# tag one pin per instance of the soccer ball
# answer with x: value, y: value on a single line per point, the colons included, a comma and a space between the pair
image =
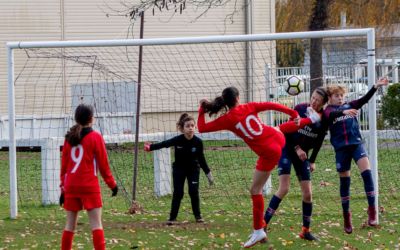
x: 294, y: 85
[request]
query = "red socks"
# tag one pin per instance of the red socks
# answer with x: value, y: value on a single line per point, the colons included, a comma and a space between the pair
x: 99, y: 242
x: 291, y: 127
x: 258, y: 211
x: 66, y: 240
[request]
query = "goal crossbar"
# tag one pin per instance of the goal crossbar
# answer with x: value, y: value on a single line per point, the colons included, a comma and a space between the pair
x: 191, y: 40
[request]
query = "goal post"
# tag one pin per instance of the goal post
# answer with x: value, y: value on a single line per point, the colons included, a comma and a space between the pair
x: 188, y: 101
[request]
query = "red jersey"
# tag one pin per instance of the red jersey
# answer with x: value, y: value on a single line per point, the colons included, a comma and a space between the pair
x: 80, y: 164
x: 244, y: 122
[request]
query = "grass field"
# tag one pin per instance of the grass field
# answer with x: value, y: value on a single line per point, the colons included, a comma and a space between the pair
x: 226, y: 207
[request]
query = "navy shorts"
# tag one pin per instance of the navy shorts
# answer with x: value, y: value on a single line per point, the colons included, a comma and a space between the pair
x: 346, y: 154
x: 302, y: 168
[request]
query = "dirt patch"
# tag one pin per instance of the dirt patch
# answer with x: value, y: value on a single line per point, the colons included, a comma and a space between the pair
x: 225, y: 148
x: 185, y: 225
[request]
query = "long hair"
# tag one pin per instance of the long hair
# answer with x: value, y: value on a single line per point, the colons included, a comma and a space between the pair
x: 185, y: 117
x: 226, y: 101
x: 83, y: 116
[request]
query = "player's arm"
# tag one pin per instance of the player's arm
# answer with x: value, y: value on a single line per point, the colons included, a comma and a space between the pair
x: 357, y: 104
x: 292, y: 144
x: 263, y: 106
x: 203, y: 164
x: 102, y: 162
x: 202, y: 159
x: 317, y: 146
x: 164, y: 144
x: 218, y: 124
x: 64, y: 164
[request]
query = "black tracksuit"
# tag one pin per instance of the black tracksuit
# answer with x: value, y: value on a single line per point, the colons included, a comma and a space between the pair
x: 189, y: 157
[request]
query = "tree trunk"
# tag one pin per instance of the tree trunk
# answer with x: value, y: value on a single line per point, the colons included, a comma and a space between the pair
x: 316, y: 71
x: 318, y: 21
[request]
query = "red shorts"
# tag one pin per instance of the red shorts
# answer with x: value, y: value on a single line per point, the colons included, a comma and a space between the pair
x: 268, y: 160
x: 78, y: 202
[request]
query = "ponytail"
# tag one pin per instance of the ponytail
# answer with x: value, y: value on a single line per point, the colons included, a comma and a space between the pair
x: 226, y: 101
x: 73, y: 136
x: 215, y: 106
x: 83, y: 116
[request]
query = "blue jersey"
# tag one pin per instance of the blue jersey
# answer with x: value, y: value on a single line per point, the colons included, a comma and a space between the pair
x: 309, y: 137
x: 344, y: 129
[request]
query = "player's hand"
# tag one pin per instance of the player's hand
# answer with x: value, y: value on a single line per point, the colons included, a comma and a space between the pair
x: 202, y: 103
x: 210, y: 178
x: 383, y: 81
x: 351, y: 112
x: 62, y: 198
x: 147, y: 146
x: 114, y: 191
x: 204, y: 100
x: 312, y: 167
x: 301, y: 154
x: 297, y: 120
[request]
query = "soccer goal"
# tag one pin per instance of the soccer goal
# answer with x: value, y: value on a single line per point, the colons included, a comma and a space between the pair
x: 47, y: 80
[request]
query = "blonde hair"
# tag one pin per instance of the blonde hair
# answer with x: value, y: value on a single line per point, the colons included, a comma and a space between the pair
x: 336, y: 89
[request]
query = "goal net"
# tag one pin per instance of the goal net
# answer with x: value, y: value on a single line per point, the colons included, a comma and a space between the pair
x: 50, y: 79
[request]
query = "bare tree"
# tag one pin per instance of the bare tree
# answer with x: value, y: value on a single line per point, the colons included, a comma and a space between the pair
x: 133, y: 10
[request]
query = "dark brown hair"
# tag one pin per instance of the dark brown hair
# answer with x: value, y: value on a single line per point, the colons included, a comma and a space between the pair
x: 83, y: 116
x: 322, y: 92
x: 185, y: 117
x: 226, y: 101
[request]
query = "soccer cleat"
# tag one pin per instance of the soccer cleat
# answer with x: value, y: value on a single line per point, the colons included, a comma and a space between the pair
x: 307, y: 235
x: 199, y: 220
x: 372, y: 221
x: 348, y: 227
x: 313, y: 115
x: 171, y: 222
x: 255, y: 237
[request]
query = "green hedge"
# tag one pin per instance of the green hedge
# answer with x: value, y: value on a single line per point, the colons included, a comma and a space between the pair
x: 391, y: 106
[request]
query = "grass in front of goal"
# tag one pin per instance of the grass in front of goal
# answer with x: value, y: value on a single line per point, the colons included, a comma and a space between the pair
x: 226, y: 207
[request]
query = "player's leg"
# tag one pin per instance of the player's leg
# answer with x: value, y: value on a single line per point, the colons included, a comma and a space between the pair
x: 265, y: 164
x: 345, y: 181
x: 360, y: 156
x: 259, y: 179
x: 178, y: 179
x: 193, y: 186
x: 304, y: 175
x: 284, y: 167
x: 99, y: 242
x: 343, y: 164
x: 283, y: 189
x: 72, y: 206
x: 68, y: 233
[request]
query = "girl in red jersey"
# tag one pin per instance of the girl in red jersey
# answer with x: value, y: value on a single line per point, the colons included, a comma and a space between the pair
x: 84, y: 153
x: 267, y: 142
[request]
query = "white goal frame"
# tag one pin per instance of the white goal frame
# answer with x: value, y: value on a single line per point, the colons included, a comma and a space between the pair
x: 369, y: 33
